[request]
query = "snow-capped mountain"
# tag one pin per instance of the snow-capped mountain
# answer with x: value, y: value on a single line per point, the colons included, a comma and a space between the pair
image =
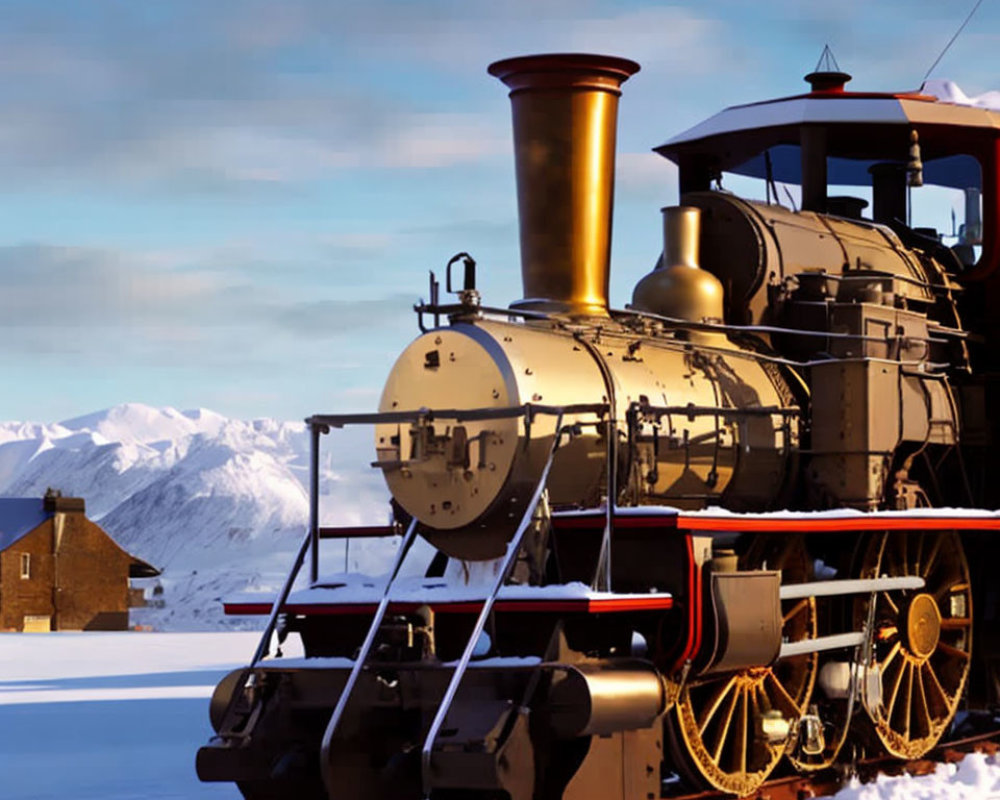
x: 219, y: 505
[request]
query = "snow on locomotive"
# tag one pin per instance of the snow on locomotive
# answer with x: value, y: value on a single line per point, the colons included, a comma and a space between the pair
x: 652, y: 608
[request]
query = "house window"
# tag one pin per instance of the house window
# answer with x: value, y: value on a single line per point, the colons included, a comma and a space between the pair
x: 25, y: 565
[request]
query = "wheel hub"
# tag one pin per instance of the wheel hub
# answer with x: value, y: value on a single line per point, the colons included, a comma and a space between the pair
x: 922, y: 626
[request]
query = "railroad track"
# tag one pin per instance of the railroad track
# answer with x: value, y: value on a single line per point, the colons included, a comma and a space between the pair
x: 828, y: 782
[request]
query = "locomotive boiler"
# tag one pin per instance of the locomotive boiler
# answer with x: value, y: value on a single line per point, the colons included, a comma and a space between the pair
x: 715, y: 532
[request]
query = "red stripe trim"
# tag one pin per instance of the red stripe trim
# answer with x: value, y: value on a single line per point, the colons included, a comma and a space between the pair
x: 807, y: 523
x: 874, y: 522
x: 693, y: 637
x: 583, y: 605
x: 590, y: 521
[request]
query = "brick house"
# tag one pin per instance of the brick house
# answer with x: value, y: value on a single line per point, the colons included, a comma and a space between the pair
x: 59, y: 570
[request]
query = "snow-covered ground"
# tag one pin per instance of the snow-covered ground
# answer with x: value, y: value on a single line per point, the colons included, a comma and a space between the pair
x: 120, y: 716
x: 110, y: 716
x: 976, y: 777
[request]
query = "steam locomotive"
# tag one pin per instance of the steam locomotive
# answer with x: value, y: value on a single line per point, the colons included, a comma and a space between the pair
x: 743, y: 525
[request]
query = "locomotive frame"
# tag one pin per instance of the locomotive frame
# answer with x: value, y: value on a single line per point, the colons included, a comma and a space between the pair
x: 618, y: 641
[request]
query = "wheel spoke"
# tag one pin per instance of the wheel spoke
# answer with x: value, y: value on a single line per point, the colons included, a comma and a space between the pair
x: 782, y: 694
x: 727, y: 722
x: 909, y: 697
x: 779, y: 560
x: 743, y: 733
x: 892, y: 654
x: 755, y: 709
x: 712, y: 707
x: 936, y: 683
x: 932, y: 557
x: 892, y: 603
x: 895, y: 690
x: 955, y: 623
x: 890, y: 557
x: 952, y: 651
x: 927, y: 725
x: 920, y: 553
x: 949, y: 587
x: 795, y: 610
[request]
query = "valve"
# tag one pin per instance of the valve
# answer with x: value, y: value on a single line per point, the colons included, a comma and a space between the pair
x: 468, y: 295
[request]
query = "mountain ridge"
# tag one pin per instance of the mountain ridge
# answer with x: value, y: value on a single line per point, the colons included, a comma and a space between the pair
x: 219, y: 504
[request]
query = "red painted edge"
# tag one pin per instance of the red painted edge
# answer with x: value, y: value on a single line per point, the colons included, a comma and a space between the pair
x: 847, y: 95
x: 623, y: 522
x: 694, y: 622
x: 804, y: 524
x: 582, y: 605
x: 835, y: 524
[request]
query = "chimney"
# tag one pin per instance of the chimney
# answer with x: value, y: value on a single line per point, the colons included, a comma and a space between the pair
x: 565, y: 111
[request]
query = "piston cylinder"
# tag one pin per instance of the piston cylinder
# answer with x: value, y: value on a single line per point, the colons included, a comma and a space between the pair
x: 601, y: 699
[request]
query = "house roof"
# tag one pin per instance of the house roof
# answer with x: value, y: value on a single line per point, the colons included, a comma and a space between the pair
x: 19, y: 516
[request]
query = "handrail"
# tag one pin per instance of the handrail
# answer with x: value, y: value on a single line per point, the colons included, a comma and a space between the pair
x: 279, y: 601
x: 692, y: 410
x: 360, y: 531
x: 602, y: 573
x: 320, y: 424
x: 314, y: 434
x: 528, y: 410
x: 247, y: 676
x: 366, y: 647
x: 513, y: 548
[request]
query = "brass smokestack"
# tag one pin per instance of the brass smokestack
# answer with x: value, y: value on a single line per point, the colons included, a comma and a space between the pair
x: 565, y: 112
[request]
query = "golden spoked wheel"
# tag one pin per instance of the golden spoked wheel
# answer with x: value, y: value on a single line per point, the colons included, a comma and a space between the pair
x: 721, y: 727
x: 923, y: 638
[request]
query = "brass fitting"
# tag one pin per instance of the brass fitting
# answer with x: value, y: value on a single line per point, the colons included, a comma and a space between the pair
x: 679, y: 288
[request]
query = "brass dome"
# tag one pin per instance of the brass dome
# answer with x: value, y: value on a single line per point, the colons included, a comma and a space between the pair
x: 678, y: 287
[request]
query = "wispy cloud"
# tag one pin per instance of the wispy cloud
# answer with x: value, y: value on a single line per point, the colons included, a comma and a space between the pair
x: 325, y: 318
x: 43, y: 286
x: 47, y: 291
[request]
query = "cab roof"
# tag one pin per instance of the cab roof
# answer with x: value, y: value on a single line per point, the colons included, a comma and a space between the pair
x: 861, y: 129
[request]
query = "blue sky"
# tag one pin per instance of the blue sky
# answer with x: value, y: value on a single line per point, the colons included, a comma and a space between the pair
x: 233, y: 205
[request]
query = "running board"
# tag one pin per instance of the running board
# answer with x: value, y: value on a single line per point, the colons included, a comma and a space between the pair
x: 796, y: 591
x: 836, y: 641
